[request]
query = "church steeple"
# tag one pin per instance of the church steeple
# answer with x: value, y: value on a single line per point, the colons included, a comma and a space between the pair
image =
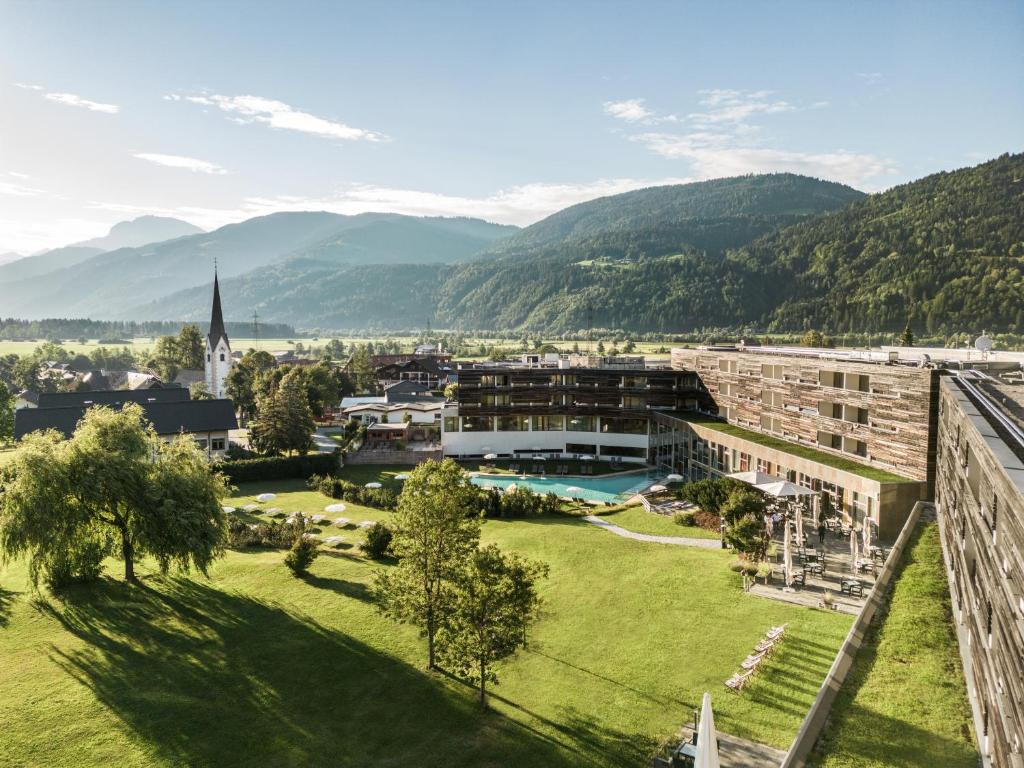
x: 218, y: 348
x: 216, y: 317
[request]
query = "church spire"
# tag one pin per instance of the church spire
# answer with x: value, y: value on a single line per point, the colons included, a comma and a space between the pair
x: 216, y: 317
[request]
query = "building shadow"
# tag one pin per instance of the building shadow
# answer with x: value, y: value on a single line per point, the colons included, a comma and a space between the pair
x: 204, y: 677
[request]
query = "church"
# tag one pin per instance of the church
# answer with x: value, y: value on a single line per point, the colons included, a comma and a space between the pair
x: 218, y: 348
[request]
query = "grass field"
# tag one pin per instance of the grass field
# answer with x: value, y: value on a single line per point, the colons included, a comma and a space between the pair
x: 905, y: 702
x: 636, y: 519
x: 254, y: 666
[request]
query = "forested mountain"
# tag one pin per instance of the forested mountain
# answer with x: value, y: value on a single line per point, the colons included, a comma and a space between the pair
x: 113, y: 283
x: 645, y: 260
x: 947, y: 251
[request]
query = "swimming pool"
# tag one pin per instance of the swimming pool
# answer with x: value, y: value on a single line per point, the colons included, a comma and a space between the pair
x: 610, y: 488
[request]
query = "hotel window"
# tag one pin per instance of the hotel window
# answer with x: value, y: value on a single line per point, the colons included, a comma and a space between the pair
x: 451, y: 423
x: 494, y: 400
x: 774, y: 399
x: 583, y: 424
x: 634, y: 402
x: 624, y: 426
x: 621, y: 450
x: 581, y: 448
x: 830, y: 440
x: 772, y: 371
x: 856, y: 447
x: 477, y: 423
x: 217, y: 444
x: 726, y: 389
x: 514, y: 423
x: 726, y: 366
x: 549, y: 423
x: 494, y: 380
x: 771, y: 423
x: 634, y: 382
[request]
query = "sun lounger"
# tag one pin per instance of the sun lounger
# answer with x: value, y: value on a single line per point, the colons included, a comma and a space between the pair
x: 753, y: 660
x: 775, y: 632
x: 736, y: 682
x: 765, y: 646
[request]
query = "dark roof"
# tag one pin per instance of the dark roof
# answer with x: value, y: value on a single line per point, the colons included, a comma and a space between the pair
x: 216, y: 317
x: 168, y: 418
x: 95, y: 380
x: 29, y: 396
x: 115, y: 397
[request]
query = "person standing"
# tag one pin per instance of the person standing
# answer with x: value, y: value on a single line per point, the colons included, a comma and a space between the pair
x: 822, y: 528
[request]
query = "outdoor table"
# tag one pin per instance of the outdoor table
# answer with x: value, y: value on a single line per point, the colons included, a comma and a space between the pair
x: 684, y: 756
x: 815, y: 568
x: 811, y: 554
x: 878, y: 553
x: 848, y: 587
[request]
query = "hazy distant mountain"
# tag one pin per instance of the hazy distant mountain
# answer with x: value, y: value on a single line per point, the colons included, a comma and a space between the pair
x: 6, y: 258
x: 42, y: 263
x: 138, y: 232
x: 116, y: 283
x: 141, y: 231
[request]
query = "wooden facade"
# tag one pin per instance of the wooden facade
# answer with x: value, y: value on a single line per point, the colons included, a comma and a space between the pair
x: 980, y: 499
x: 882, y: 415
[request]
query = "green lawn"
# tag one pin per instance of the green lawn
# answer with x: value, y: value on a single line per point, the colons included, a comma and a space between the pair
x: 905, y: 701
x: 256, y: 667
x: 636, y: 519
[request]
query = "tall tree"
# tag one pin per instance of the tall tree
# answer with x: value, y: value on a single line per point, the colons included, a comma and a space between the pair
x: 6, y: 415
x: 284, y: 421
x: 494, y: 599
x: 436, y: 530
x: 242, y: 381
x: 191, y: 347
x: 113, y: 479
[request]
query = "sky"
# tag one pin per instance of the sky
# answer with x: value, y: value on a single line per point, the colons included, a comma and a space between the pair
x: 215, y: 112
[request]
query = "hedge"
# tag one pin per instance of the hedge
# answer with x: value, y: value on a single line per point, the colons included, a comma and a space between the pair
x: 278, y: 467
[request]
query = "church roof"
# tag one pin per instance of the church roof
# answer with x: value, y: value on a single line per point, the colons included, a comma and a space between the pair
x: 217, y: 318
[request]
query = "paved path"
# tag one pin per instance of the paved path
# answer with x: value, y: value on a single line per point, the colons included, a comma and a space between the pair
x: 323, y: 443
x: 682, y: 541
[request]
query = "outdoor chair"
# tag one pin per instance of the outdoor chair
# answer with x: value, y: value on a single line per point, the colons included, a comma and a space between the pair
x: 798, y: 579
x: 878, y: 553
x: 815, y: 568
x: 851, y: 586
x: 736, y: 682
x: 752, y: 661
x: 865, y: 565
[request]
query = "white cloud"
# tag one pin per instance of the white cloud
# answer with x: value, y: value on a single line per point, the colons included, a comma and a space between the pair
x: 724, y: 139
x: 277, y: 114
x: 630, y: 110
x: 71, y: 99
x: 17, y: 175
x: 870, y: 77
x: 77, y: 101
x: 179, y: 161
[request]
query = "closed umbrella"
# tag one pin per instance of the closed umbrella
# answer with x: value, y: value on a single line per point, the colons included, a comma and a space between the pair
x: 853, y: 549
x: 787, y: 556
x: 867, y: 535
x: 800, y: 523
x: 707, y: 738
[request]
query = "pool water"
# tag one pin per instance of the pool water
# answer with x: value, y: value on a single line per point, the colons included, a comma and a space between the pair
x: 607, y: 488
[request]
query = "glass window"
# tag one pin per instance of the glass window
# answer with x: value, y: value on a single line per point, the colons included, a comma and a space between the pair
x: 494, y: 400
x: 581, y: 448
x: 477, y: 423
x: 621, y: 450
x: 634, y: 402
x: 634, y: 382
x: 201, y: 442
x: 583, y: 424
x: 549, y: 423
x: 217, y: 444
x: 451, y: 423
x: 222, y: 357
x: 514, y: 423
x: 624, y: 426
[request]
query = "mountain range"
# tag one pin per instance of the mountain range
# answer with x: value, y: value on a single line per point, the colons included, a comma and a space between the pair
x: 775, y: 251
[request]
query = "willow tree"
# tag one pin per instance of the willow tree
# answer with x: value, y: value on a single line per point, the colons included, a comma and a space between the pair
x: 113, y: 488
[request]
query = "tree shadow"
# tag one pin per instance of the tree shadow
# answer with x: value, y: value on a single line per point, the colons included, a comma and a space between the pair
x: 6, y: 606
x: 354, y: 589
x: 206, y: 677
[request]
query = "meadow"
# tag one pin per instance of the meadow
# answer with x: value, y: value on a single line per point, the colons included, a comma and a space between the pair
x: 255, y: 665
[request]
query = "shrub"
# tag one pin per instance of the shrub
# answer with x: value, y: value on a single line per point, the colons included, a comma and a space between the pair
x: 710, y: 494
x: 301, y: 555
x: 338, y: 488
x: 278, y: 467
x: 521, y: 502
x: 743, y: 566
x: 273, y: 535
x: 378, y: 541
x: 81, y: 563
x: 687, y: 518
x: 707, y: 520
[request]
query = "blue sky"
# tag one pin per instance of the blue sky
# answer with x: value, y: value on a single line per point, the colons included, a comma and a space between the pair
x: 218, y: 111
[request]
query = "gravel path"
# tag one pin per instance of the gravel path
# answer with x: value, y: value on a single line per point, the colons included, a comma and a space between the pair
x: 682, y: 541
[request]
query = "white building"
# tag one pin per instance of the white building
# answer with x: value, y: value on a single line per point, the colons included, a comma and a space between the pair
x: 218, y: 349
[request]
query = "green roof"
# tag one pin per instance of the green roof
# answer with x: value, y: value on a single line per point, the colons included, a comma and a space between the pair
x: 794, y: 449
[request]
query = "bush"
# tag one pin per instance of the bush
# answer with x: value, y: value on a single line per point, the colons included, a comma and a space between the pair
x: 337, y: 488
x: 521, y: 502
x: 707, y: 520
x: 687, y: 518
x: 743, y: 566
x: 272, y: 535
x: 278, y: 467
x: 301, y: 556
x: 378, y: 541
